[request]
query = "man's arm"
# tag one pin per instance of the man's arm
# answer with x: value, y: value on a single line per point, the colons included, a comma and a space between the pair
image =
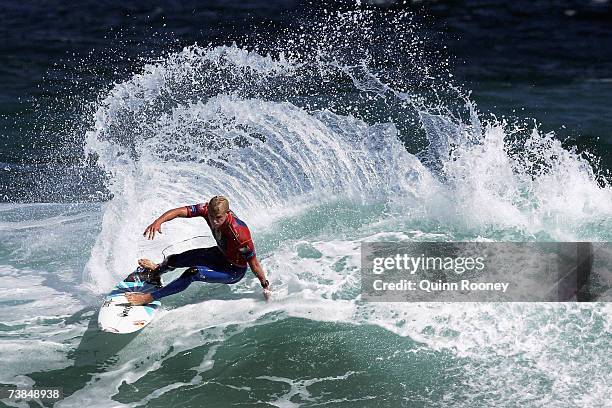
x: 261, y: 275
x: 167, y: 216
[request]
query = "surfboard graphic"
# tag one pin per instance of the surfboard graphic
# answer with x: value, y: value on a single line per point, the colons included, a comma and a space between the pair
x: 117, y: 315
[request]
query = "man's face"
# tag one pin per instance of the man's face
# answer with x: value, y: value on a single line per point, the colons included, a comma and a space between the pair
x: 216, y: 220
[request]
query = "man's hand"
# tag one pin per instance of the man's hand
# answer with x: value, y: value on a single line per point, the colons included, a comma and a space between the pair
x: 261, y: 275
x: 167, y: 216
x: 267, y: 292
x: 152, y: 229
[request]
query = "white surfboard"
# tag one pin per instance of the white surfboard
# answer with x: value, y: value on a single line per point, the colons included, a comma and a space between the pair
x: 117, y: 315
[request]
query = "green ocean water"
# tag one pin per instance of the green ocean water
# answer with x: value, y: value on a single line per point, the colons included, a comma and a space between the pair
x: 316, y: 343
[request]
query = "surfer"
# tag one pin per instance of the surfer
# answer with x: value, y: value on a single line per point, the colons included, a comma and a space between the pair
x: 225, y: 263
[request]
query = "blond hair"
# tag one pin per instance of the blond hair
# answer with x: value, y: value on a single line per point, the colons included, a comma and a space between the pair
x: 218, y: 205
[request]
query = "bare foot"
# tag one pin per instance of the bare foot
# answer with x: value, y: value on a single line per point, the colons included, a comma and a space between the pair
x: 147, y: 264
x: 137, y: 298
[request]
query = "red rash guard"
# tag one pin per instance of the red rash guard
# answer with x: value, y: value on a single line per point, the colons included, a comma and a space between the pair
x: 233, y: 237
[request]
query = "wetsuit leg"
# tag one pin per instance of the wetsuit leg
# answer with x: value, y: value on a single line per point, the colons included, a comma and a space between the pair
x: 200, y: 256
x: 199, y: 273
x: 210, y: 266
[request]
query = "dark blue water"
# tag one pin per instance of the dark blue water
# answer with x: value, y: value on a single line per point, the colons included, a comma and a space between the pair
x: 551, y: 61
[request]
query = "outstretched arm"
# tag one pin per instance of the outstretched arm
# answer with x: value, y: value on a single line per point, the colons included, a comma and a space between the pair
x: 261, y: 275
x: 167, y: 216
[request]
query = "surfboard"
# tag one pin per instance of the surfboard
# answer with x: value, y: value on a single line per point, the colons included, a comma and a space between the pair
x: 117, y: 315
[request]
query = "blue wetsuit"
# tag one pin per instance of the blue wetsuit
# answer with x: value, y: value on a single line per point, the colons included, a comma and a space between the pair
x: 211, y: 266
